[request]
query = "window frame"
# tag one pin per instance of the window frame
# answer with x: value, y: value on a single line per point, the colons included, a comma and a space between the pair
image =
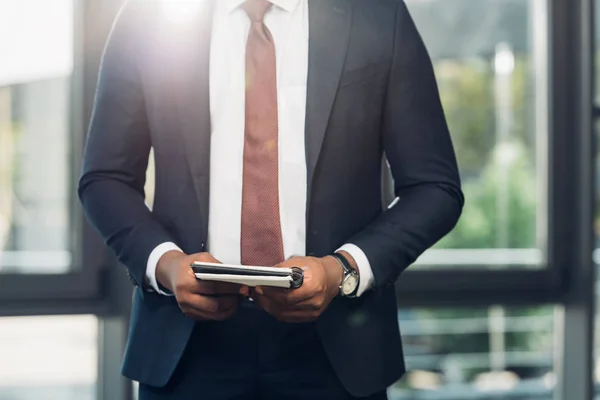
x: 80, y: 290
x: 567, y: 157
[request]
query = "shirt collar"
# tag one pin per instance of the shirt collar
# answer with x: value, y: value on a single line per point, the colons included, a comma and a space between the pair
x: 287, y: 5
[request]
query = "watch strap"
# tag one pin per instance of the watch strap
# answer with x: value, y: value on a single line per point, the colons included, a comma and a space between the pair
x: 348, y: 269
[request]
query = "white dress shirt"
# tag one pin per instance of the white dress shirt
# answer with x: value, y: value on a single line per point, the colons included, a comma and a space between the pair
x: 288, y: 22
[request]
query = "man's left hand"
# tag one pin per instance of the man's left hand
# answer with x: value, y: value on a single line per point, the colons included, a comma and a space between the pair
x: 322, y: 278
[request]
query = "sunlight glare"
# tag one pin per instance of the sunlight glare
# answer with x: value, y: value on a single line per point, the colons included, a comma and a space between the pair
x: 180, y: 10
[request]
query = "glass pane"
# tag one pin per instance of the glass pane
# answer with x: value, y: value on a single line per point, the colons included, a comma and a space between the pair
x: 36, y: 49
x: 492, y: 353
x: 492, y: 78
x: 48, y: 358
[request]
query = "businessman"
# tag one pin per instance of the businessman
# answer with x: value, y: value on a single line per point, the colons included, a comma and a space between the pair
x: 269, y: 120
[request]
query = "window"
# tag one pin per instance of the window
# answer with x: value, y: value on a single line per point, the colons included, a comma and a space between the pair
x: 487, y: 353
x: 48, y: 358
x: 492, y: 77
x: 493, y: 60
x: 47, y: 251
x: 36, y: 48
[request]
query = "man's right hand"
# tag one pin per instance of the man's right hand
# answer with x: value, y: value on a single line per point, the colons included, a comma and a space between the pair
x: 198, y: 300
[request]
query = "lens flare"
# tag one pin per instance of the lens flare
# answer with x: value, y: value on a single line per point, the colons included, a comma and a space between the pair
x: 181, y: 10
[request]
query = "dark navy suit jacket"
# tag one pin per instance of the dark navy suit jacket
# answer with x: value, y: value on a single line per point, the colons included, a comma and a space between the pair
x: 371, y: 90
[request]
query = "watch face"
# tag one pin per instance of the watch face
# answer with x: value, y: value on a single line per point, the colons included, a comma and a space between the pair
x: 349, y: 285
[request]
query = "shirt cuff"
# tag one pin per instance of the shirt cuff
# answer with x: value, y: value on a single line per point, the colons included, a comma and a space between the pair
x: 153, y: 259
x: 367, y: 279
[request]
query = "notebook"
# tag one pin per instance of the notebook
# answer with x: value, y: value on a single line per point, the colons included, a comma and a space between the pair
x: 288, y: 278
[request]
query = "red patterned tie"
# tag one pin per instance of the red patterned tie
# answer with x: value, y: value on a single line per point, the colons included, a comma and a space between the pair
x: 261, y: 241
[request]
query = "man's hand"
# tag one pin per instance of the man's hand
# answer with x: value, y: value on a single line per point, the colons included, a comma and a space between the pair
x: 322, y: 278
x: 198, y: 300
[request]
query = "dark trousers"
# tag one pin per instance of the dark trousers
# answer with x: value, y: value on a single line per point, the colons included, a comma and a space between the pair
x: 252, y: 356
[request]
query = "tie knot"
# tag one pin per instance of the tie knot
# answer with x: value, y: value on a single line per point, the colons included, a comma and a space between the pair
x: 256, y: 9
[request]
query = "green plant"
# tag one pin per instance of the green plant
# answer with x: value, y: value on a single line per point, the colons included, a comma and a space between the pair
x: 509, y: 173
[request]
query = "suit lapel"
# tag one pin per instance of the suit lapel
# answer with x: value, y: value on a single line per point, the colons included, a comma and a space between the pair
x: 329, y: 32
x: 191, y: 62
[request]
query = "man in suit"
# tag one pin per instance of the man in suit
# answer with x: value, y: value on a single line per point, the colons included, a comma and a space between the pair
x: 269, y: 120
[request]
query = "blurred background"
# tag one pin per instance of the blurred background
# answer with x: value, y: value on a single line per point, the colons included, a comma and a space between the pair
x: 502, y: 308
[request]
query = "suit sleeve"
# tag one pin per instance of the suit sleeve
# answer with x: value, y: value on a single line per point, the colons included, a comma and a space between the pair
x: 422, y: 160
x: 111, y: 187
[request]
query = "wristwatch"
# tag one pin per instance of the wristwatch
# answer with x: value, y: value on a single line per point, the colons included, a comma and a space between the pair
x: 350, y: 280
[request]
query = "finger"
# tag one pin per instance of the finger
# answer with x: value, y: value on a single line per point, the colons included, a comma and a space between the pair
x: 229, y: 288
x: 220, y: 316
x: 204, y: 288
x: 276, y: 294
x: 314, y: 303
x: 290, y: 296
x: 205, y: 257
x: 262, y: 301
x: 209, y: 306
x: 301, y: 312
x: 265, y: 303
x: 226, y: 304
x: 209, y: 288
